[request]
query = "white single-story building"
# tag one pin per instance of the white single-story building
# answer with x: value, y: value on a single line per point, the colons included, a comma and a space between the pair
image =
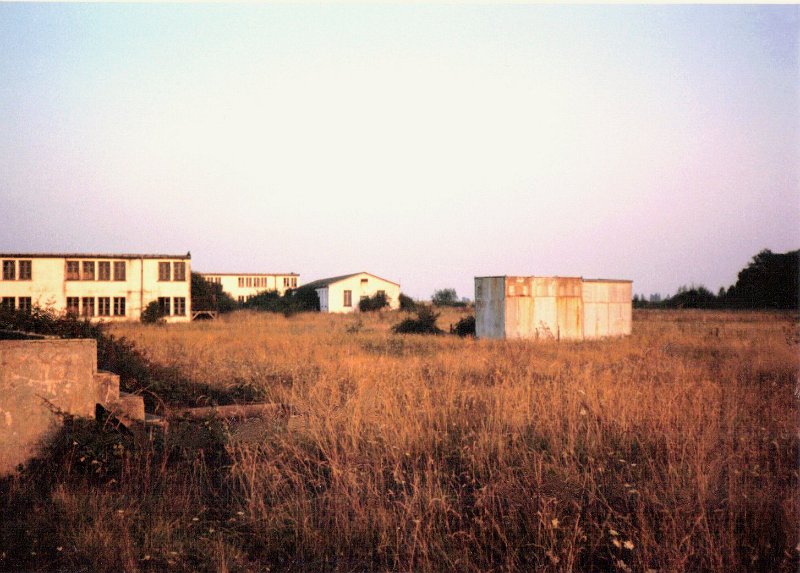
x: 343, y: 293
x: 97, y: 286
x: 243, y: 286
x: 561, y: 308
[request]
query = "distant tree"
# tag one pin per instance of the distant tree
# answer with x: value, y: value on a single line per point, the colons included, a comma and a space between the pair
x: 446, y: 297
x: 407, y: 303
x: 376, y: 302
x: 692, y: 297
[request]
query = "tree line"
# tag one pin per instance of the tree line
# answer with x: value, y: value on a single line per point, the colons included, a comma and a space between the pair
x: 769, y: 281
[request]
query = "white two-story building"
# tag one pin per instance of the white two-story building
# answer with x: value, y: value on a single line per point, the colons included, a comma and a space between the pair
x: 243, y: 286
x: 97, y: 286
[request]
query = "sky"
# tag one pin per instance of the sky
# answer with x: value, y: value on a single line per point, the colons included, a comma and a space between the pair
x: 424, y: 143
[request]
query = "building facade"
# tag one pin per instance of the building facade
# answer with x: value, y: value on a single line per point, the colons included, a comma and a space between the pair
x: 243, y: 286
x: 98, y: 286
x: 560, y: 308
x: 343, y: 293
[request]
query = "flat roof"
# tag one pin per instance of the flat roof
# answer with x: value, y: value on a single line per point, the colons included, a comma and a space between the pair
x: 555, y: 277
x: 188, y: 255
x: 248, y: 274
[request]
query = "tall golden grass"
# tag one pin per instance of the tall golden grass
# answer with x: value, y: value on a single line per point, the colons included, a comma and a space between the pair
x: 674, y: 449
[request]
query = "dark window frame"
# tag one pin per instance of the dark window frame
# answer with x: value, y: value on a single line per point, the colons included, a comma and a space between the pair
x: 9, y: 270
x: 104, y: 270
x: 25, y: 270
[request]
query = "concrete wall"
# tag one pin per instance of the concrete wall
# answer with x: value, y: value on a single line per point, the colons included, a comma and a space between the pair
x: 360, y: 285
x: 560, y: 308
x: 37, y: 377
x: 49, y: 287
x: 259, y: 282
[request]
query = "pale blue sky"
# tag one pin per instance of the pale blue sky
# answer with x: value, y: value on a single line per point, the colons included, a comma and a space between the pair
x: 424, y: 143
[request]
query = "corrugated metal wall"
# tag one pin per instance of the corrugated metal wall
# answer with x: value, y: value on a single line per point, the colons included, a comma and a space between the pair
x: 490, y: 307
x: 562, y: 308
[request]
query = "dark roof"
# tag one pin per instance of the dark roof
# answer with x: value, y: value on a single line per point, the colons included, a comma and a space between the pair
x: 188, y: 255
x: 321, y: 283
x: 203, y: 273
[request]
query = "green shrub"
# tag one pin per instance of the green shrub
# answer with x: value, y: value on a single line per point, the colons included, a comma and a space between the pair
x: 407, y: 303
x: 372, y: 303
x: 465, y: 326
x: 152, y: 313
x: 425, y: 323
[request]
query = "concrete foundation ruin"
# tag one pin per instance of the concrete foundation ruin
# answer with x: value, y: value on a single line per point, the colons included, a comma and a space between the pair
x: 42, y: 379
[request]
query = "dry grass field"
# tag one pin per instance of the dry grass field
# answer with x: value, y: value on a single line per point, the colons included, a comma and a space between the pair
x: 675, y: 449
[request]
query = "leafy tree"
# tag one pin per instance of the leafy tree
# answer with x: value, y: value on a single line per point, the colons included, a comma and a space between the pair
x: 771, y: 280
x: 446, y: 297
x: 210, y: 296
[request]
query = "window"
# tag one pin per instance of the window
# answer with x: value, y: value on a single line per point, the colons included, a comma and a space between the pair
x: 119, y: 270
x: 348, y: 298
x: 73, y: 270
x: 179, y: 271
x: 7, y: 303
x: 163, y: 271
x: 24, y: 270
x: 88, y: 306
x: 73, y: 305
x: 364, y: 282
x: 104, y: 306
x: 88, y: 270
x: 164, y: 305
x: 241, y: 299
x: 382, y: 293
x: 286, y: 282
x: 241, y: 282
x: 25, y: 304
x: 294, y: 282
x: 249, y: 281
x: 119, y: 306
x: 9, y: 270
x: 104, y: 270
x: 179, y: 302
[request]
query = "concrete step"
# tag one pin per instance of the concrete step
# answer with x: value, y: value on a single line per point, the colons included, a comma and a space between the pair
x: 128, y: 407
x: 107, y: 387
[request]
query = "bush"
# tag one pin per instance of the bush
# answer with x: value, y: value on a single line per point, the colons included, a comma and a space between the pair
x: 372, y: 303
x: 152, y: 313
x: 293, y: 300
x: 425, y: 323
x: 407, y: 303
x: 465, y: 326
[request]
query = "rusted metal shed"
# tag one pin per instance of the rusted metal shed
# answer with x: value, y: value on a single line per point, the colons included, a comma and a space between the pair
x: 561, y: 308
